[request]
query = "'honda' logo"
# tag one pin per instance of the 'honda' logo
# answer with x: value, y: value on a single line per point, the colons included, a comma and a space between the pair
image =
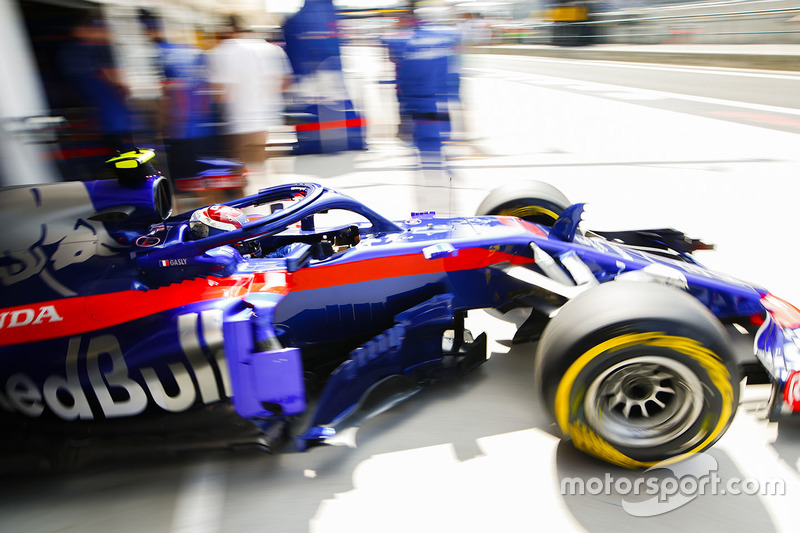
x: 25, y: 317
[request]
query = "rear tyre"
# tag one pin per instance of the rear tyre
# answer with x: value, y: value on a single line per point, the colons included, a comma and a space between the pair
x: 534, y: 201
x: 637, y: 373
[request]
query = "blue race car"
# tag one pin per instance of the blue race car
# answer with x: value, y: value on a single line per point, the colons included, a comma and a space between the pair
x: 297, y: 312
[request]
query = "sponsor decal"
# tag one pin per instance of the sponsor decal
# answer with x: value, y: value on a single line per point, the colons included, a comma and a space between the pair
x: 173, y: 262
x: 74, y: 316
x: 147, y: 242
x: 98, y: 383
x: 28, y: 316
x: 51, y: 235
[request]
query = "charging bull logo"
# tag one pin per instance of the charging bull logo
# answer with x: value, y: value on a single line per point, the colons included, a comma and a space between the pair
x: 45, y: 229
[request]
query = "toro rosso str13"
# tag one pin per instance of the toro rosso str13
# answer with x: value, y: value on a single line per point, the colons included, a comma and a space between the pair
x: 299, y: 312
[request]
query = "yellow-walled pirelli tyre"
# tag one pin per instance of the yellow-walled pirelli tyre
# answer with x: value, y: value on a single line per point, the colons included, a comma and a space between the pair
x: 636, y: 373
x: 534, y: 201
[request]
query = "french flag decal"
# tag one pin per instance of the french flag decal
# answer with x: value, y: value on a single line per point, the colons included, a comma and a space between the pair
x: 164, y: 263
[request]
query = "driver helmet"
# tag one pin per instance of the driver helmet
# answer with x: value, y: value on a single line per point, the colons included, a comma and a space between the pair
x: 215, y: 219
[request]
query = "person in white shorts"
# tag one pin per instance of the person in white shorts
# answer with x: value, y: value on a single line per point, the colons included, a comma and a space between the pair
x: 250, y: 76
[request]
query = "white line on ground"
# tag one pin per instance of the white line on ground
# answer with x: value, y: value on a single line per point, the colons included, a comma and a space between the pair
x: 663, y: 94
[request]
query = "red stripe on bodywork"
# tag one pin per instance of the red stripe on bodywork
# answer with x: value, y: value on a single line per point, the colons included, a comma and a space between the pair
x: 321, y: 277
x: 88, y: 313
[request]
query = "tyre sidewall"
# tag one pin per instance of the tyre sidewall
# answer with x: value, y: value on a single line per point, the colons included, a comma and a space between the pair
x: 599, y: 329
x: 719, y: 393
x: 534, y: 201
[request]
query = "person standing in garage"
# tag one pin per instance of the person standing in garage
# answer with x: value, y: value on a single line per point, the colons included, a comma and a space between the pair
x: 88, y: 64
x: 185, y: 110
x: 250, y: 76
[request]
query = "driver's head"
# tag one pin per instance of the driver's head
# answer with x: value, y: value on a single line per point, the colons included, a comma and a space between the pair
x: 215, y: 219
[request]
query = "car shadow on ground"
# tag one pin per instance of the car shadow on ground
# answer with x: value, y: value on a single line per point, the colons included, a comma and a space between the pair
x: 284, y: 489
x: 786, y: 443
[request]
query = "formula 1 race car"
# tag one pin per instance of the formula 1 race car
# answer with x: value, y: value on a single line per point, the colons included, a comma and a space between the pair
x: 297, y: 312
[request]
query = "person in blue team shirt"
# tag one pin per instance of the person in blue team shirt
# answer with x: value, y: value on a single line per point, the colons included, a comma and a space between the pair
x: 87, y: 61
x: 185, y: 115
x: 425, y: 58
x: 312, y: 39
x: 313, y: 46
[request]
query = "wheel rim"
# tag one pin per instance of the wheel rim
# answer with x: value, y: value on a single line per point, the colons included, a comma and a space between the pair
x: 644, y: 401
